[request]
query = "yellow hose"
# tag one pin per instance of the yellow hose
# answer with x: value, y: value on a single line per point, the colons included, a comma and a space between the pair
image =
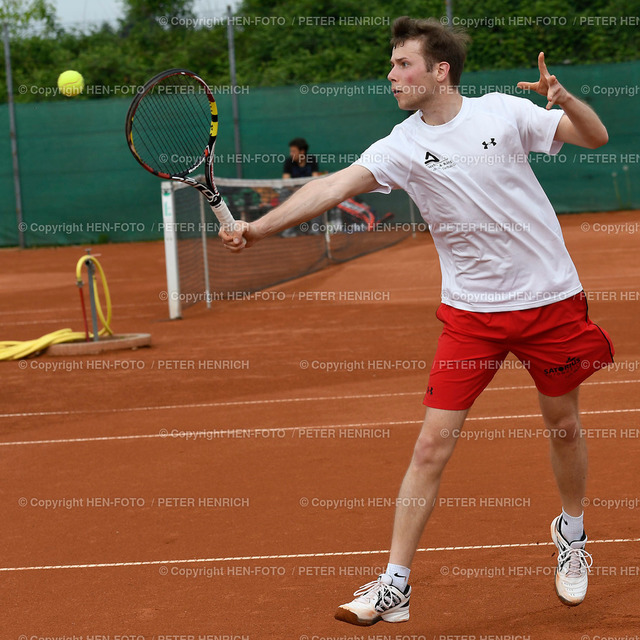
x: 14, y: 350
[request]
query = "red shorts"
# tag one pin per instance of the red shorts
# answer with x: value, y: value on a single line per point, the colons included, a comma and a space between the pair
x: 556, y: 343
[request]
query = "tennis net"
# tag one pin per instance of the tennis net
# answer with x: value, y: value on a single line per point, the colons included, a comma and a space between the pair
x: 199, y: 269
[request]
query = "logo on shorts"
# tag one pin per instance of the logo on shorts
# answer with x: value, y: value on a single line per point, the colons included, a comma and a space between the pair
x: 429, y: 391
x: 567, y: 368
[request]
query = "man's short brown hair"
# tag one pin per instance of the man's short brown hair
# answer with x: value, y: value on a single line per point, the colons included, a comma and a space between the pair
x: 438, y: 43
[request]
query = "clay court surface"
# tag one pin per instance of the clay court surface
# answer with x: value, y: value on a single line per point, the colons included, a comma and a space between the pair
x: 281, y: 505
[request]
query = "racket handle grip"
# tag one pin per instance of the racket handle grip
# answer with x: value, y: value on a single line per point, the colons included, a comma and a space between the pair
x: 224, y: 216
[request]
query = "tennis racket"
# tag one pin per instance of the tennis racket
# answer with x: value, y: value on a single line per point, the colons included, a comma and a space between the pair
x: 171, y: 129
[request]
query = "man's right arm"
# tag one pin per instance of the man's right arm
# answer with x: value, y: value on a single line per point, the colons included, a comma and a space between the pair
x: 313, y: 199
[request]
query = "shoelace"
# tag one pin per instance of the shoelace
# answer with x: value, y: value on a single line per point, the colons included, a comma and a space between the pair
x: 371, y: 591
x: 577, y: 558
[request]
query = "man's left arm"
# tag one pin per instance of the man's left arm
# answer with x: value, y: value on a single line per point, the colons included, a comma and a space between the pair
x: 580, y: 124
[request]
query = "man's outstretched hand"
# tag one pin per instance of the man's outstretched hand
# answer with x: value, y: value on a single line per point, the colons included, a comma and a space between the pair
x: 240, y: 237
x: 547, y: 86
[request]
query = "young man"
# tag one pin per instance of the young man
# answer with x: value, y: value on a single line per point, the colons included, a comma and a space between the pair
x: 508, y: 282
x: 300, y: 164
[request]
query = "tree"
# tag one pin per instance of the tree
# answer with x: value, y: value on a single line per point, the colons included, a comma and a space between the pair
x: 19, y: 15
x: 162, y: 13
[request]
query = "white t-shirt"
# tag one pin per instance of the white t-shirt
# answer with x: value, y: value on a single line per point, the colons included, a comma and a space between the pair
x: 498, y: 238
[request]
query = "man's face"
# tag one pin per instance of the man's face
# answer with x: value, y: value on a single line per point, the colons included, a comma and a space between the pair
x: 295, y: 153
x: 411, y: 83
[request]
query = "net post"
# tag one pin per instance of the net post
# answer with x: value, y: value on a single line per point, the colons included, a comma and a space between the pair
x: 205, y: 257
x: 171, y: 250
x: 327, y: 234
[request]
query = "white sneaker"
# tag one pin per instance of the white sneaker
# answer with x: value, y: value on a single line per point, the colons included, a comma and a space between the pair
x: 574, y: 564
x: 377, y: 600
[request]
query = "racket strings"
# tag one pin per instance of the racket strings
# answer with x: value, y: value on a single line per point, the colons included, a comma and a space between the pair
x: 181, y: 97
x: 171, y: 125
x: 191, y: 114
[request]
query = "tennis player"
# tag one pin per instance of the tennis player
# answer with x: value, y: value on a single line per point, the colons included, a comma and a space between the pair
x: 508, y: 282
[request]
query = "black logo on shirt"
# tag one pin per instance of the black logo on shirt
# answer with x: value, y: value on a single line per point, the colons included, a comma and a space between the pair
x: 429, y: 158
x: 435, y: 163
x: 491, y: 142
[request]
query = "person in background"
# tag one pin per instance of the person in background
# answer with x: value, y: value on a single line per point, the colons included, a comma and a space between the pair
x: 300, y: 164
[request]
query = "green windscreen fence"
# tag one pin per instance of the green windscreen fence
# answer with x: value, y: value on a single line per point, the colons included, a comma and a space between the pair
x: 80, y: 184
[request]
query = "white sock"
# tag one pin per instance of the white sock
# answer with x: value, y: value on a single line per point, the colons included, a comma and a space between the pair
x: 572, y: 527
x: 399, y: 575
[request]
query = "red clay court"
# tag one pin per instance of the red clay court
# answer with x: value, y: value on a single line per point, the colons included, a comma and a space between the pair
x: 237, y: 478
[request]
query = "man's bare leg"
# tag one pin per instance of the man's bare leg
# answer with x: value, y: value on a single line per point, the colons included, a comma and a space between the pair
x: 569, y: 463
x: 419, y: 488
x: 568, y: 448
x: 385, y: 600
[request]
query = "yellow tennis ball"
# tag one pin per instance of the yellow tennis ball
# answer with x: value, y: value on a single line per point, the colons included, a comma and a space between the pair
x: 70, y: 83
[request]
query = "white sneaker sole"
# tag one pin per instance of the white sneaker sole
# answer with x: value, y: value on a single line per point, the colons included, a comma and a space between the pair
x: 346, y: 615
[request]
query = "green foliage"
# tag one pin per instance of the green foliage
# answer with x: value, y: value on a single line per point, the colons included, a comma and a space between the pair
x: 137, y: 11
x: 20, y: 14
x: 320, y: 41
x: 280, y: 42
x: 504, y: 35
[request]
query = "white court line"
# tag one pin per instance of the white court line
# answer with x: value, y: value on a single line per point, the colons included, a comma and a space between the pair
x: 122, y: 305
x: 219, y: 433
x: 63, y: 321
x: 267, y: 401
x: 143, y: 563
x: 201, y: 405
x: 66, y: 309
